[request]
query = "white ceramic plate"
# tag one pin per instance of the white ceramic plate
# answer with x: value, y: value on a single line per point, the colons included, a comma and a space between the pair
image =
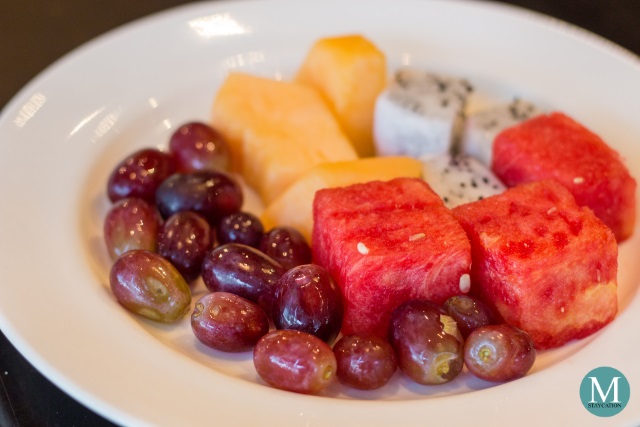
x: 60, y: 137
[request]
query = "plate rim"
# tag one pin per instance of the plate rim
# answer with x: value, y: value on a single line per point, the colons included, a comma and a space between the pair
x: 26, y: 348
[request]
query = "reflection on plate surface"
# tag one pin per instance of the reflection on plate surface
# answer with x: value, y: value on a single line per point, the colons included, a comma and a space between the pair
x: 64, y: 132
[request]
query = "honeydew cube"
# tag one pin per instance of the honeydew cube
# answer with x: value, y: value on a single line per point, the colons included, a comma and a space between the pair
x: 294, y: 207
x: 276, y: 131
x: 350, y: 72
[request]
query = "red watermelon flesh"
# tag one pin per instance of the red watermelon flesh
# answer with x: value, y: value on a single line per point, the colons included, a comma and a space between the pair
x: 542, y: 262
x: 556, y: 146
x: 385, y: 243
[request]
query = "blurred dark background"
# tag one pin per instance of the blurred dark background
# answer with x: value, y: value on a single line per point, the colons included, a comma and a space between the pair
x: 34, y: 33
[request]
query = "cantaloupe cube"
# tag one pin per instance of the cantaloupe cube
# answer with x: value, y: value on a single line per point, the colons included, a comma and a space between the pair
x: 294, y: 207
x: 350, y: 72
x: 276, y: 131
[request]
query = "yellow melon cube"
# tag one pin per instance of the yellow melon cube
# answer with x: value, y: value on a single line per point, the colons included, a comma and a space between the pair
x: 294, y: 207
x: 276, y: 131
x: 350, y: 72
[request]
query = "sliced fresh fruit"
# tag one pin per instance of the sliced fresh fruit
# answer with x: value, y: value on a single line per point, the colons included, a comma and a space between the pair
x: 460, y: 179
x: 350, y: 72
x: 556, y: 146
x: 276, y: 131
x: 294, y: 207
x: 386, y: 242
x: 420, y: 113
x: 543, y: 263
x: 482, y: 127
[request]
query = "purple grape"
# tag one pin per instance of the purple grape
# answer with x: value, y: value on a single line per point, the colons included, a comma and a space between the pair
x: 149, y: 285
x: 244, y: 271
x: 211, y: 194
x: 499, y: 353
x: 308, y: 300
x: 469, y: 313
x: 184, y: 239
x: 139, y: 175
x: 131, y: 224
x: 294, y: 361
x: 287, y: 246
x: 240, y: 227
x: 197, y: 146
x: 365, y: 362
x: 228, y: 322
x: 427, y: 342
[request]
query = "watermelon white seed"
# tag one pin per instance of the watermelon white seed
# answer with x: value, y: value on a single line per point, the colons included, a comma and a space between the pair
x: 460, y: 179
x: 481, y: 128
x: 419, y: 113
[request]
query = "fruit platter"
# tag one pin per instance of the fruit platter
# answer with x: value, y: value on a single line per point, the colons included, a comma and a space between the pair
x: 462, y: 170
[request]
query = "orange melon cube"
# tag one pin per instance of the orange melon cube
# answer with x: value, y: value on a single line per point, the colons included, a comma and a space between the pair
x: 276, y: 131
x: 294, y: 207
x: 350, y: 72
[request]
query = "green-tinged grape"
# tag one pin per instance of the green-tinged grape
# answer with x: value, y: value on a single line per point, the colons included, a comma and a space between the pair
x: 147, y: 284
x: 427, y: 342
x: 499, y: 353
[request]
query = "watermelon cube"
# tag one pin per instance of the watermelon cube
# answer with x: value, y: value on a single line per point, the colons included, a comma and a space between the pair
x: 386, y: 242
x: 542, y: 262
x: 556, y: 146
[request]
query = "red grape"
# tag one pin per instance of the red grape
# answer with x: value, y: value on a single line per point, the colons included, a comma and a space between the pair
x: 287, y: 246
x: 308, y: 300
x: 139, y: 175
x: 197, y: 146
x: 211, y: 194
x: 499, y: 353
x: 228, y: 322
x: 184, y: 239
x: 244, y: 271
x: 131, y: 224
x: 240, y: 227
x: 365, y: 362
x: 294, y: 361
x: 469, y: 313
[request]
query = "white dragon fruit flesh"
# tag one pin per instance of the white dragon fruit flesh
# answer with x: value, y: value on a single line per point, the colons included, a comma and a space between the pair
x: 460, y: 179
x: 482, y: 127
x: 419, y: 113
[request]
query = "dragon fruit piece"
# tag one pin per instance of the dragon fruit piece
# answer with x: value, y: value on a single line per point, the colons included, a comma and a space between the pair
x: 481, y: 128
x: 460, y: 179
x: 419, y: 113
